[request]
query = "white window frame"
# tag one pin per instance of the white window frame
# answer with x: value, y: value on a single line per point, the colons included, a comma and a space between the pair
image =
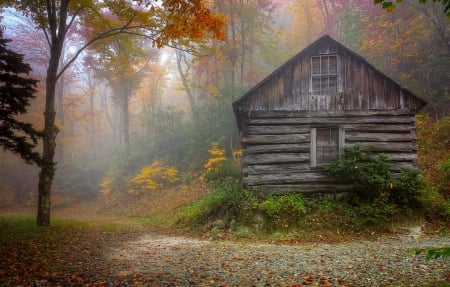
x: 324, y: 75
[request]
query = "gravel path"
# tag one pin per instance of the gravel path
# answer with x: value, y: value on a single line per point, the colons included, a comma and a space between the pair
x: 156, y: 260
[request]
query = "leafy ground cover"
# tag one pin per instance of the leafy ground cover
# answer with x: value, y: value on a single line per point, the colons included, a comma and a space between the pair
x: 78, y: 253
x: 133, y: 241
x: 67, y: 253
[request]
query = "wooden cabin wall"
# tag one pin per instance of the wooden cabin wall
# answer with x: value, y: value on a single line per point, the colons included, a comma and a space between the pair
x: 360, y: 88
x: 277, y: 146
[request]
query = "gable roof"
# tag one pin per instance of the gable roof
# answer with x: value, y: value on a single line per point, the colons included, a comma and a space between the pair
x: 310, y: 48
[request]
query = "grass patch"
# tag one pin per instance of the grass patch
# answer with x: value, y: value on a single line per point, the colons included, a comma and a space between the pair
x: 30, y: 254
x: 229, y: 211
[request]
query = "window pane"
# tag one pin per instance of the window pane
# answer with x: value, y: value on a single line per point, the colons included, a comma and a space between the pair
x: 329, y: 85
x: 315, y: 85
x: 332, y: 65
x: 315, y: 65
x: 327, y: 144
x: 324, y: 75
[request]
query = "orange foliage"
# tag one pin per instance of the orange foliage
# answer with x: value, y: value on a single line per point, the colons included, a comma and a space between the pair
x: 217, y: 156
x: 433, y: 138
x: 153, y: 177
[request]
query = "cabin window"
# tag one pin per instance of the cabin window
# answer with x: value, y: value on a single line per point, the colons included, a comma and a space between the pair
x: 326, y: 143
x: 324, y: 75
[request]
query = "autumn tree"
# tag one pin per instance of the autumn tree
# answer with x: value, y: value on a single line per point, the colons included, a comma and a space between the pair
x: 163, y: 23
x: 16, y: 91
x: 411, y: 46
x: 122, y: 61
x: 219, y: 72
x: 390, y: 5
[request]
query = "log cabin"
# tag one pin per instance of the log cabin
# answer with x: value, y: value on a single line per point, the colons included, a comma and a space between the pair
x: 300, y: 117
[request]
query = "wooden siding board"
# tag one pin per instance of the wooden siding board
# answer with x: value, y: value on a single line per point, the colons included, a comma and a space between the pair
x: 377, y: 137
x: 277, y: 148
x: 318, y: 114
x: 275, y: 139
x: 305, y: 68
x: 277, y: 130
x: 252, y: 159
x: 388, y: 128
x: 276, y: 168
x: 273, y: 189
x: 385, y: 147
x: 288, y: 178
x: 327, y: 121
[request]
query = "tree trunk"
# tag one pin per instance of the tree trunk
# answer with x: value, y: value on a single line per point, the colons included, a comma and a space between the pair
x: 57, y: 31
x: 126, y: 118
x: 49, y: 145
x: 60, y: 96
x: 93, y: 134
x: 184, y: 78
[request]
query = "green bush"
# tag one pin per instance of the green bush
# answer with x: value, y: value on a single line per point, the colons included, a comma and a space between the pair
x: 369, y: 215
x: 229, y: 202
x: 406, y: 189
x: 369, y: 173
x: 226, y: 170
x: 445, y: 210
x: 283, y: 211
x: 221, y: 203
x: 372, y: 176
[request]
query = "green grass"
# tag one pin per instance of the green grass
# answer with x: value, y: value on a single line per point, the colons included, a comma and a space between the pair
x: 25, y: 226
x: 29, y: 253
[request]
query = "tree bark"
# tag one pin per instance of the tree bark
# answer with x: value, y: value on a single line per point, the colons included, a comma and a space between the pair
x: 60, y: 96
x: 57, y: 33
x: 184, y: 78
x: 126, y: 117
x: 49, y: 145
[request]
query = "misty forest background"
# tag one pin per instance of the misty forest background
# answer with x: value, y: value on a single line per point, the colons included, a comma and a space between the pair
x: 179, y: 101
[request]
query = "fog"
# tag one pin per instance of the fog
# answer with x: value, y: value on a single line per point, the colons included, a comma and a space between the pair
x: 124, y: 104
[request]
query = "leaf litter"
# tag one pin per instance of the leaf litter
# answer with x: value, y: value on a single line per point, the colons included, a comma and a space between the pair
x: 92, y: 257
x: 178, y: 261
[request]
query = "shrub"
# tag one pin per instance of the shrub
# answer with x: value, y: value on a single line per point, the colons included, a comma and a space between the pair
x: 369, y: 173
x: 368, y: 215
x: 405, y: 190
x: 372, y: 175
x: 282, y: 211
x: 152, y: 177
x: 433, y: 142
x: 215, y: 160
x: 222, y: 202
x: 218, y: 167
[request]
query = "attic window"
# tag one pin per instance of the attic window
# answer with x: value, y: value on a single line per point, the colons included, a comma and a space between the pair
x: 324, y: 75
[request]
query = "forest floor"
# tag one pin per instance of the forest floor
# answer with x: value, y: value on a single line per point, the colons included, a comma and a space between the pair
x: 92, y: 244
x: 86, y: 255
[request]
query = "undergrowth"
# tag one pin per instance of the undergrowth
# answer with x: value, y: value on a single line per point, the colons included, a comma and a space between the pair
x: 382, y: 200
x: 243, y: 213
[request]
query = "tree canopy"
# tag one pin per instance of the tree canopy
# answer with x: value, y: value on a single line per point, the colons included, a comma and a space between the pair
x: 390, y: 6
x: 163, y: 22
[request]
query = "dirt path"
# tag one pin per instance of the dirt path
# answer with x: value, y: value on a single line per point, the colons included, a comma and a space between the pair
x: 155, y: 260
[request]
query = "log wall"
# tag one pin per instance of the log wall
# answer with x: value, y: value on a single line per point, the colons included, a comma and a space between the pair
x: 277, y: 146
x: 278, y: 115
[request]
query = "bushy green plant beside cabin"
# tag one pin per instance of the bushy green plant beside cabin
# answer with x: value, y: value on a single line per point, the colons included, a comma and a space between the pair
x: 372, y: 176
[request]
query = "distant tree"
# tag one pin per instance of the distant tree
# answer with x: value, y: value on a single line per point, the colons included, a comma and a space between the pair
x: 16, y: 90
x: 390, y: 6
x: 164, y: 23
x: 123, y: 61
